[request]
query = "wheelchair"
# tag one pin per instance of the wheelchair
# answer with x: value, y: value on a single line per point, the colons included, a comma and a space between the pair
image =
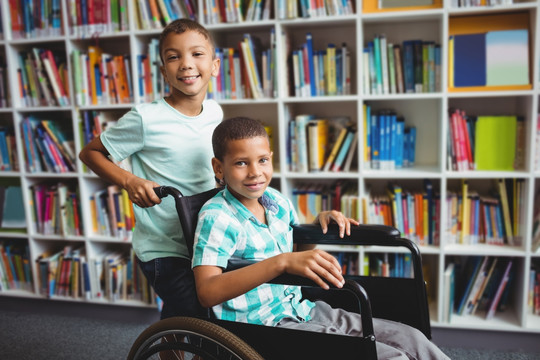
x: 398, y: 299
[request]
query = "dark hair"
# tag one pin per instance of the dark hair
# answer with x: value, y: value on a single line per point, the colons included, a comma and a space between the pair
x: 236, y: 128
x: 180, y: 26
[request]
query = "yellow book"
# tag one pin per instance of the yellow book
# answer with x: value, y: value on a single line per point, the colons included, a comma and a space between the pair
x: 508, y: 232
x: 451, y: 62
x: 335, y: 149
x: 94, y: 59
x: 465, y: 214
x: 331, y: 72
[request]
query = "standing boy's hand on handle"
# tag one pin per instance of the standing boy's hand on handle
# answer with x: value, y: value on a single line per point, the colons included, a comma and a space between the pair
x: 317, y: 265
x: 325, y: 217
x: 141, y: 192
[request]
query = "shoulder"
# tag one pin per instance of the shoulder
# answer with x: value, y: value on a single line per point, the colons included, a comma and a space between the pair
x: 149, y: 108
x: 211, y: 107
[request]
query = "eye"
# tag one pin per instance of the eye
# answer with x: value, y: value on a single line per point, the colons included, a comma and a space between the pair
x: 264, y: 160
x: 240, y: 163
x: 172, y: 57
x: 198, y: 54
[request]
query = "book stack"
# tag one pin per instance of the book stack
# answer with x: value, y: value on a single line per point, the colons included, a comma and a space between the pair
x: 112, y: 213
x: 320, y: 72
x: 320, y: 144
x: 310, y: 199
x: 152, y: 85
x: 43, y: 79
x: 348, y: 262
x: 8, y: 150
x: 288, y: 9
x: 389, y: 265
x: 485, y: 142
x: 412, y: 67
x: 35, y: 18
x: 15, y: 268
x: 100, y: 78
x: 492, y: 218
x: 235, y: 11
x: 93, y: 17
x: 155, y: 14
x: 414, y: 213
x: 474, y: 3
x: 482, y: 285
x: 388, y: 143
x: 56, y: 209
x: 246, y: 72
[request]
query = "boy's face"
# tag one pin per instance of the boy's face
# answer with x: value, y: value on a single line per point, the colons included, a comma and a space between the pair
x: 188, y: 63
x: 246, y: 168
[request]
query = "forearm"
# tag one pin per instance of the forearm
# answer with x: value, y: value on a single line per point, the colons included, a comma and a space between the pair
x: 215, y: 287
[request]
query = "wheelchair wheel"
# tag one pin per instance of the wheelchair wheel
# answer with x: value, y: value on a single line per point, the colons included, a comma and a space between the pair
x: 189, y: 338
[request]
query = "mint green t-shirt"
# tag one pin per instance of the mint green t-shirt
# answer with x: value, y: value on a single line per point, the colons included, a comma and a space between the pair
x: 169, y: 148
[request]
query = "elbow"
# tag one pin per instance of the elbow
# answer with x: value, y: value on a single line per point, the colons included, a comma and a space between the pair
x: 206, y: 301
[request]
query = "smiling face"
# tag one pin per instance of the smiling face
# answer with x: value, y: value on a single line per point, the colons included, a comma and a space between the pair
x: 189, y: 64
x: 246, y: 168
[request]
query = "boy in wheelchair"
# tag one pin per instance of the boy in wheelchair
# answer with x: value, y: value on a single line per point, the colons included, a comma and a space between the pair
x: 251, y: 221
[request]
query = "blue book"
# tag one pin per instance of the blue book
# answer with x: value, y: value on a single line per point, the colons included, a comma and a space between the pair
x: 6, y: 163
x: 412, y: 146
x: 343, y: 151
x: 378, y: 64
x: 375, y: 141
x: 468, y: 276
x: 469, y: 60
x: 393, y: 141
x: 312, y: 84
x: 400, y: 140
x: 408, y: 66
x: 382, y: 140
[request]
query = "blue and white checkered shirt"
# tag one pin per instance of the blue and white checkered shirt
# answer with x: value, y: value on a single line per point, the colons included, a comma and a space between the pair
x: 226, y: 229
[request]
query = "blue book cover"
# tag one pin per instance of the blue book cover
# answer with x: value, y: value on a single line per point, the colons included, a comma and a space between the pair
x: 375, y: 141
x: 309, y: 44
x: 412, y: 146
x: 408, y: 66
x: 382, y: 147
x: 378, y: 65
x: 393, y: 140
x: 400, y: 143
x: 469, y: 60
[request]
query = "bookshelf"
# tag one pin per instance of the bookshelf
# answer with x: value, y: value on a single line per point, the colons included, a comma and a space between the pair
x: 131, y: 37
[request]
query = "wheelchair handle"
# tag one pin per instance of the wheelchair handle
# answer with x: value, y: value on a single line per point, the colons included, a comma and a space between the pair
x: 163, y: 191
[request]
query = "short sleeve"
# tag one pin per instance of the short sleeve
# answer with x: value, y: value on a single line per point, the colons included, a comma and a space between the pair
x: 215, y: 239
x: 124, y: 138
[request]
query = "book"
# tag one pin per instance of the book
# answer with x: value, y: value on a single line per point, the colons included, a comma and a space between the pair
x: 495, y: 144
x: 492, y: 308
x: 448, y: 292
x: 507, y: 57
x: 389, y: 4
x: 469, y: 60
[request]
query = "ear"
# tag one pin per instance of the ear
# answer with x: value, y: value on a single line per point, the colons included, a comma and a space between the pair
x: 163, y: 73
x: 218, y: 168
x: 216, y: 63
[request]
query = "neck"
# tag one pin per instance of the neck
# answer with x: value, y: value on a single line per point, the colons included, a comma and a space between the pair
x: 189, y: 106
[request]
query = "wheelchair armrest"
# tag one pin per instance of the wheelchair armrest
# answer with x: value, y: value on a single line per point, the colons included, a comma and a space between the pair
x: 350, y: 285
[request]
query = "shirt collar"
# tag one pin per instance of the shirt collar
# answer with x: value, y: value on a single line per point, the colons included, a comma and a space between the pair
x: 265, y: 200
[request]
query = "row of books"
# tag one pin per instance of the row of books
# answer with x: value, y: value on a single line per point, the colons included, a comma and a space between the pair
x: 8, y: 150
x: 35, y: 18
x: 292, y: 9
x: 43, y: 79
x: 111, y: 276
x: 93, y: 17
x: 348, y: 262
x: 320, y: 72
x: 412, y: 67
x: 321, y: 144
x: 494, y: 218
x: 485, y: 142
x: 388, y: 265
x: 247, y: 71
x: 309, y: 200
x: 492, y: 58
x: 152, y: 85
x: 477, y: 285
x: 414, y: 213
x: 47, y: 146
x: 533, y: 300
x: 235, y: 11
x: 12, y: 213
x: 388, y: 143
x: 474, y: 3
x: 112, y: 213
x: 155, y: 14
x: 56, y: 209
x: 100, y: 78
x: 15, y: 268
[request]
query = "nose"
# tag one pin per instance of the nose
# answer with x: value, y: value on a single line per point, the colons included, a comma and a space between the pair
x: 254, y: 170
x: 185, y: 63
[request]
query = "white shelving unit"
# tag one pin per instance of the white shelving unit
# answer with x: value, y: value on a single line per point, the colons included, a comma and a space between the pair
x: 427, y: 111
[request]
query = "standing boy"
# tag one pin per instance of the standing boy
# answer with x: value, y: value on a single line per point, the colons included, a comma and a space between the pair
x: 168, y: 142
x: 251, y: 221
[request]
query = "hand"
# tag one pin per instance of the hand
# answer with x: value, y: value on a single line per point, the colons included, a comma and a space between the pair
x: 344, y: 223
x: 317, y: 265
x: 141, y: 192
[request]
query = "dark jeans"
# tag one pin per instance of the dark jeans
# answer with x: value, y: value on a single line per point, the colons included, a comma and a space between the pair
x: 173, y: 281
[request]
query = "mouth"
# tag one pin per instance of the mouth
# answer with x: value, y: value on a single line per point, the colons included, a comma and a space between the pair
x: 189, y: 78
x: 255, y: 186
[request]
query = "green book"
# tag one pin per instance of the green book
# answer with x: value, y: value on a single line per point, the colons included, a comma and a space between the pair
x: 495, y: 145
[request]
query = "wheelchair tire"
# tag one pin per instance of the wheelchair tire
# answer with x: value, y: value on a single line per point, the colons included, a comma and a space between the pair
x: 206, y: 341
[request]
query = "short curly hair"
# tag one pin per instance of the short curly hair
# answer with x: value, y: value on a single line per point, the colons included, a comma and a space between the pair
x: 236, y: 128
x: 180, y: 26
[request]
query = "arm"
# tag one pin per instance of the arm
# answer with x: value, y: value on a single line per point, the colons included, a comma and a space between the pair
x: 140, y: 191
x: 214, y: 286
